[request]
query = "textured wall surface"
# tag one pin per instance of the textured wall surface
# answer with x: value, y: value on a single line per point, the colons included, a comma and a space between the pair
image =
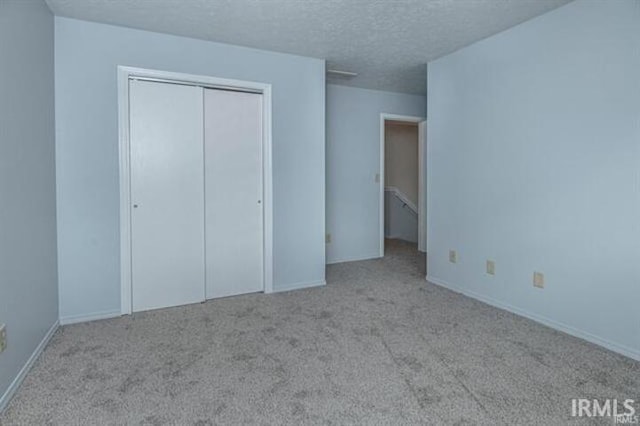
x: 87, y: 56
x: 533, y: 161
x: 353, y: 160
x: 28, y: 274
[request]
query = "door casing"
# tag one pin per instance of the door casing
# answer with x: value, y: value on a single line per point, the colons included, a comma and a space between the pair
x: 384, y: 117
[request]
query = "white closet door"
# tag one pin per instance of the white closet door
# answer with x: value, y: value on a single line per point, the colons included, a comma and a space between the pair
x: 233, y: 188
x: 167, y: 193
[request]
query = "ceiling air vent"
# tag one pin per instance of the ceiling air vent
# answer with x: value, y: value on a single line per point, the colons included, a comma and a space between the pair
x: 342, y: 74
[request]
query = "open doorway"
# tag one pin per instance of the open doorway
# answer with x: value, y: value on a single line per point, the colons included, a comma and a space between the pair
x: 402, y: 183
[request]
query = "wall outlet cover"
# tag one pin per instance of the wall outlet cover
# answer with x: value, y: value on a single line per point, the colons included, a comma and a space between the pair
x: 3, y: 338
x: 453, y: 256
x: 538, y: 279
x: 327, y: 238
x: 491, y: 267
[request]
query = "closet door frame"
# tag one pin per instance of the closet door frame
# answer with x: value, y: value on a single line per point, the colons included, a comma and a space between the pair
x: 125, y: 74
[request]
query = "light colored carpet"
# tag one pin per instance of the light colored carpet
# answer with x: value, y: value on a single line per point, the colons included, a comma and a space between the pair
x: 377, y: 345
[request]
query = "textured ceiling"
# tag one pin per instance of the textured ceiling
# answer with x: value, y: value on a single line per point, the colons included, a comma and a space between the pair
x: 387, y: 42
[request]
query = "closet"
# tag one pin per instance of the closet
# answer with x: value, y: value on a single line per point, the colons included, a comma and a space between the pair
x: 196, y: 170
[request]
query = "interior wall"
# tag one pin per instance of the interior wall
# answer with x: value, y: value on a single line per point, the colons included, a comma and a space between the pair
x: 353, y: 160
x: 400, y: 222
x: 401, y: 158
x: 28, y: 271
x: 87, y: 56
x: 533, y: 161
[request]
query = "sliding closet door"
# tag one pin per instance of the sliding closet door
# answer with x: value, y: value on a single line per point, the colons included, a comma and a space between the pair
x: 233, y: 187
x: 167, y: 194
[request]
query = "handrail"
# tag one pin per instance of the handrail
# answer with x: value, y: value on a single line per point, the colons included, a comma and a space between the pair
x: 403, y: 198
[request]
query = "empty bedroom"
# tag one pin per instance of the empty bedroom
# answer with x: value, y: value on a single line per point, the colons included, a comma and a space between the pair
x: 285, y: 212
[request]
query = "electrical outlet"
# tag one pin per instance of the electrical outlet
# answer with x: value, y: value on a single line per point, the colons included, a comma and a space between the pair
x: 3, y: 337
x: 538, y: 279
x: 453, y: 256
x: 491, y: 267
x: 327, y: 238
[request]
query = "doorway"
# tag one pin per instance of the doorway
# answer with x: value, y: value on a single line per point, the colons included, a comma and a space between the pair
x: 402, y: 180
x: 195, y: 188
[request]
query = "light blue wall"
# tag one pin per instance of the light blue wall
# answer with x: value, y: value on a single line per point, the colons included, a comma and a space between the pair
x: 28, y: 276
x: 400, y: 222
x: 87, y: 55
x: 534, y: 162
x: 353, y: 159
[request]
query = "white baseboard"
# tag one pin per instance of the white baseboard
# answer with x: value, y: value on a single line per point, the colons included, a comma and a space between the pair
x: 298, y: 286
x: 355, y: 259
x: 615, y: 347
x: 74, y: 319
x: 15, y: 385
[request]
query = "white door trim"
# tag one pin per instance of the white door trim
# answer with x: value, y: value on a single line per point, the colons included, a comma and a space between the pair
x: 126, y: 73
x: 408, y: 119
x: 422, y: 179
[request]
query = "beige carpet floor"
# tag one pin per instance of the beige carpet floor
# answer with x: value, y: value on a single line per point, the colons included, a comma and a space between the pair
x: 377, y: 346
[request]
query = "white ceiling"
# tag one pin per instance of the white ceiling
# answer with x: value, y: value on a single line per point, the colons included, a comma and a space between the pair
x: 387, y: 42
